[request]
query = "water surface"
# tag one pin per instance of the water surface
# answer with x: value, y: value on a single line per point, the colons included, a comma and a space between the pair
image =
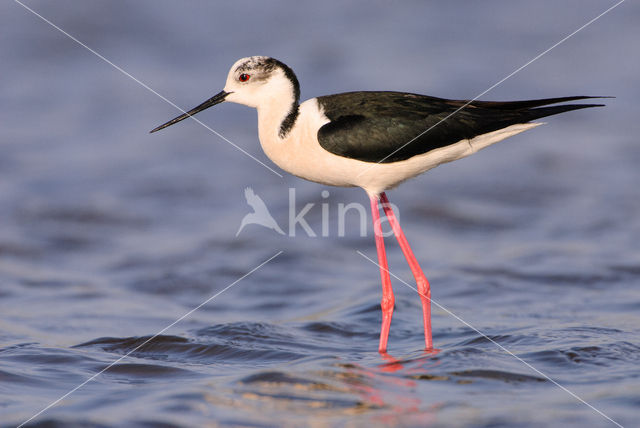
x: 109, y: 235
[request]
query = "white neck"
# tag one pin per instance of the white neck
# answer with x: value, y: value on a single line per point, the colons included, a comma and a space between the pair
x: 271, y: 118
x: 274, y: 99
x: 275, y: 103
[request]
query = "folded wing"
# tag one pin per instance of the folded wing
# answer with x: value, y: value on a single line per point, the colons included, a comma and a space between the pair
x: 393, y: 126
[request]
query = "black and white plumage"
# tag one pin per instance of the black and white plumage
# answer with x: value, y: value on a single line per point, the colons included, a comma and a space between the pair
x: 372, y: 140
x: 368, y: 139
x: 395, y: 126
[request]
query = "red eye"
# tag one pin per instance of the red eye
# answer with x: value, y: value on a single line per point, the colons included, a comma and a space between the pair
x: 243, y: 77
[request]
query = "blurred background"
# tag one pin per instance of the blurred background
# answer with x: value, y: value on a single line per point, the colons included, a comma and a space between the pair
x: 108, y: 234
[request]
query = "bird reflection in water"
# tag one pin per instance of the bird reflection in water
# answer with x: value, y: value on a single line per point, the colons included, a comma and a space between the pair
x: 395, y: 385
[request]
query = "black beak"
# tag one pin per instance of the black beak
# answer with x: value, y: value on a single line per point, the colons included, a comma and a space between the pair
x: 216, y: 99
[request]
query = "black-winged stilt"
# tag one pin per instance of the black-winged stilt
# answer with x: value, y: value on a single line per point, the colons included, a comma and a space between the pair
x: 372, y: 140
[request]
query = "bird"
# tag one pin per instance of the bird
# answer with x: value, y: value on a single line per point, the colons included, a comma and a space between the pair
x: 260, y: 214
x: 374, y: 140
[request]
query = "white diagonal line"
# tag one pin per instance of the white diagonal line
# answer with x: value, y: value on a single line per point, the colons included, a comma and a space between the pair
x: 150, y: 339
x: 497, y: 83
x: 147, y: 87
x: 493, y: 341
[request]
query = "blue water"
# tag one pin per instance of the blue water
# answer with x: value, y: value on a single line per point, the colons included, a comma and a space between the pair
x: 108, y: 235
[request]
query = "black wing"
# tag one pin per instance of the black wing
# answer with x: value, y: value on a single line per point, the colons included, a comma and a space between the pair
x: 376, y: 126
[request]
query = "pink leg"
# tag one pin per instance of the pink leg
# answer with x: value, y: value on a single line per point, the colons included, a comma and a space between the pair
x: 387, y: 292
x: 423, y: 285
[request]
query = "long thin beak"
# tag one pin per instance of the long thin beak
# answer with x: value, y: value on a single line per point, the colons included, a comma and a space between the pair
x: 216, y: 99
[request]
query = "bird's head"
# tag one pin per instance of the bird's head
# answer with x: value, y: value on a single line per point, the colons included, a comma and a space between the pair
x: 255, y: 80
x: 252, y: 81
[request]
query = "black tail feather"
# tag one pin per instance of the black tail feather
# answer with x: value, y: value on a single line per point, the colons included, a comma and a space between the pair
x: 528, y: 104
x: 537, y: 113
